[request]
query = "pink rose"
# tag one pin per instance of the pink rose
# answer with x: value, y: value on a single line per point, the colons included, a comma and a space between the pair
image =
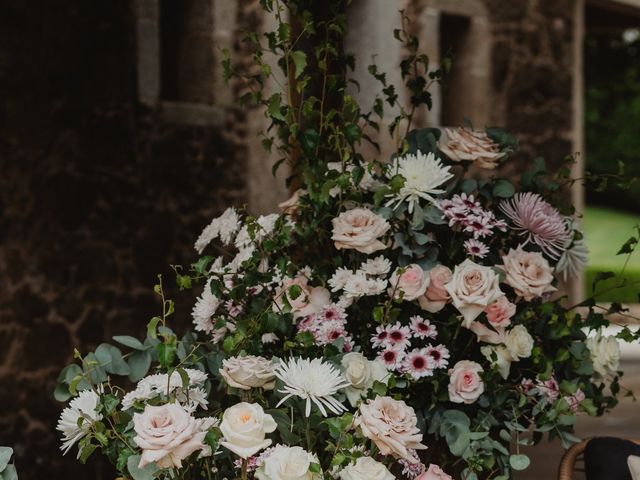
x: 434, y: 473
x: 436, y: 296
x: 359, y: 229
x: 465, y: 384
x: 499, y: 313
x: 167, y: 435
x: 309, y: 302
x: 488, y: 335
x: 409, y: 282
x: 528, y: 273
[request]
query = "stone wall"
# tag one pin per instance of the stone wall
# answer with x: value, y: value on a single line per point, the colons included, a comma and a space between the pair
x: 97, y: 196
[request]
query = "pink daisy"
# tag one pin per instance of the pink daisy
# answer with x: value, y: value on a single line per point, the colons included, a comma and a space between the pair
x: 538, y: 221
x: 549, y: 388
x: 440, y: 355
x: 399, y: 336
x: 418, y: 363
x: 412, y: 468
x: 527, y: 385
x: 468, y: 201
x: 332, y: 312
x: 478, y: 225
x: 307, y: 324
x: 476, y: 248
x: 329, y: 332
x: 381, y: 337
x: 574, y: 400
x: 391, y: 358
x: 422, y: 328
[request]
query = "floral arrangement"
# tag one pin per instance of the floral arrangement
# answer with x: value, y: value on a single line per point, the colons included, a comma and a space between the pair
x: 397, y: 319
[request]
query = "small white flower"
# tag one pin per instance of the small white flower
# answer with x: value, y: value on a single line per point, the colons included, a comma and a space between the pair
x: 424, y: 176
x: 83, y: 406
x: 224, y: 227
x: 376, y: 266
x: 269, y: 338
x: 376, y: 286
x: 357, y: 286
x: 314, y: 381
x: 159, y: 384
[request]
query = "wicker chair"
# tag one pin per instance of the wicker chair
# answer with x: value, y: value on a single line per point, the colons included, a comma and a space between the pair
x: 573, y: 457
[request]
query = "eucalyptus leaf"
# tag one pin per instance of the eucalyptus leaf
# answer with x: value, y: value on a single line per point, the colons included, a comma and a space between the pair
x: 137, y: 473
x: 519, y: 462
x: 5, y: 456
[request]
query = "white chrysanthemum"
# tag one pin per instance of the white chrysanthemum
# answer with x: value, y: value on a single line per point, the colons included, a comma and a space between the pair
x: 314, y: 381
x: 224, y: 227
x: 83, y: 406
x: 377, y: 286
x: 204, y: 310
x: 153, y: 385
x: 244, y: 254
x: 573, y: 260
x: 424, y: 176
x: 357, y: 286
x: 376, y: 266
x: 339, y: 279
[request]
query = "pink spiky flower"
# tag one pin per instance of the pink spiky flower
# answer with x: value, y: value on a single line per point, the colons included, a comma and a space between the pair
x: 536, y: 219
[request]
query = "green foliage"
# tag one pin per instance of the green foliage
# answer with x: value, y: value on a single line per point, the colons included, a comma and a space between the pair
x: 7, y: 470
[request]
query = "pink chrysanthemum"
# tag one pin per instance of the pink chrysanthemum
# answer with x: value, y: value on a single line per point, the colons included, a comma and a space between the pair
x: 440, y: 355
x: 391, y: 357
x: 476, y: 248
x: 332, y: 312
x: 549, y: 389
x: 418, y: 363
x: 412, y: 468
x: 478, y: 225
x: 536, y: 219
x: 422, y: 328
x: 381, y: 337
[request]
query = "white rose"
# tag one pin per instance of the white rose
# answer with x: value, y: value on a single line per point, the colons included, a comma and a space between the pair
x: 287, y: 463
x: 167, y: 434
x: 366, y: 468
x: 472, y: 288
x: 502, y: 360
x: 519, y: 342
x: 361, y: 374
x: 248, y: 372
x: 410, y: 282
x: 359, y: 229
x: 605, y: 354
x: 528, y: 273
x: 244, y: 427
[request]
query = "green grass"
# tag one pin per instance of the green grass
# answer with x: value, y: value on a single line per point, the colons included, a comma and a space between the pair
x: 606, y: 230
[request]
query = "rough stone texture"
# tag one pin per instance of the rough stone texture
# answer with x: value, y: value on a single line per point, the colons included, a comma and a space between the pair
x: 97, y: 196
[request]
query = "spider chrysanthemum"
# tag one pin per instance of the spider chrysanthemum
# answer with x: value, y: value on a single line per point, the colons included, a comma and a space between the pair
x: 424, y: 177
x: 538, y: 221
x: 315, y: 381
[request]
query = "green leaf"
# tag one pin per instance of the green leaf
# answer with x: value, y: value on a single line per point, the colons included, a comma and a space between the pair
x: 628, y: 247
x: 9, y: 473
x: 139, y: 363
x: 503, y: 189
x: 152, y: 327
x: 130, y: 342
x: 300, y: 61
x: 137, y: 473
x: 111, y: 360
x: 86, y: 452
x: 5, y: 456
x: 166, y: 354
x: 519, y: 462
x: 273, y: 107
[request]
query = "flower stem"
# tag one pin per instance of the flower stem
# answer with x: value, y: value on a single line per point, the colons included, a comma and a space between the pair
x: 243, y: 474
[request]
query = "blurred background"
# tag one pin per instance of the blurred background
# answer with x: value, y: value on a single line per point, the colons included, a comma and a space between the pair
x: 119, y: 142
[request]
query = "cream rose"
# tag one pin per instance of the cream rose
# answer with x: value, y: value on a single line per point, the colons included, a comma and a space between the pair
x: 499, y: 358
x: 392, y: 426
x: 309, y: 302
x: 366, y: 468
x: 528, y: 273
x: 605, y: 354
x: 471, y: 145
x: 361, y: 374
x: 434, y: 473
x: 519, y: 342
x: 486, y: 334
x: 288, y: 463
x: 436, y: 295
x: 409, y: 282
x: 472, y: 288
x: 465, y: 384
x: 167, y: 434
x: 248, y: 372
x: 244, y: 427
x: 499, y: 313
x: 359, y: 229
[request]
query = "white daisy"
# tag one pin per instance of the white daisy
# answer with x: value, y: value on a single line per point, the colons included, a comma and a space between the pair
x: 224, y: 227
x: 376, y: 266
x: 424, y: 176
x: 159, y: 384
x: 83, y: 406
x: 314, y: 381
x: 204, y: 310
